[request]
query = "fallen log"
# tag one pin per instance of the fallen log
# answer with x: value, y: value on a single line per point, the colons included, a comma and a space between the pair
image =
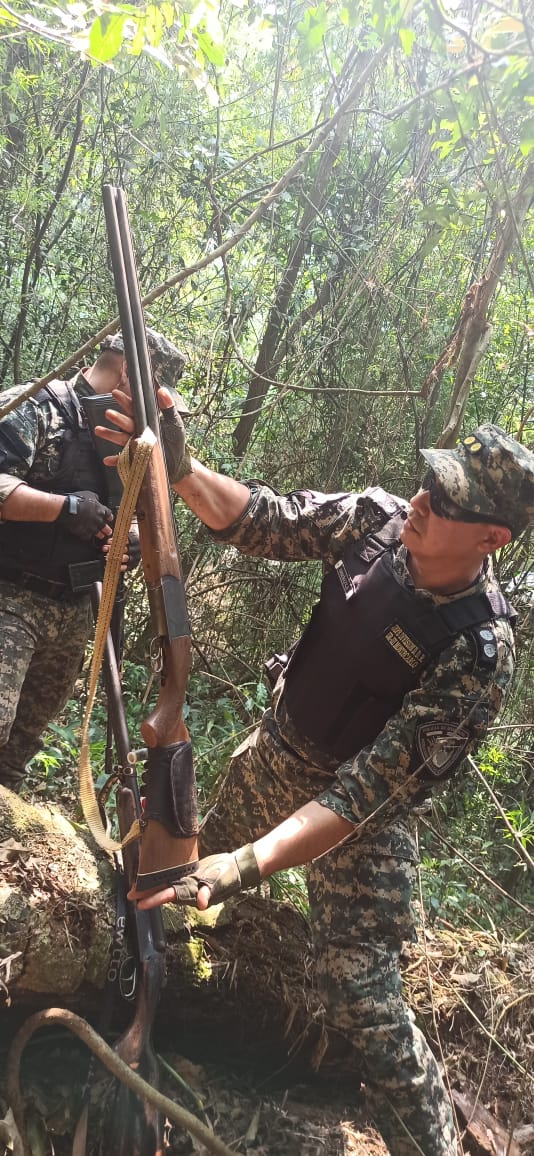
x: 56, y: 911
x: 235, y: 972
x: 487, y: 1137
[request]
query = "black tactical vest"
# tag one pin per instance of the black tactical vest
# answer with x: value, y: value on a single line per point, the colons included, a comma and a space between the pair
x: 44, y: 548
x: 367, y: 642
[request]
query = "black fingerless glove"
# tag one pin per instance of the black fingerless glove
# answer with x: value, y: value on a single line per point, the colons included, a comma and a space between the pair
x: 173, y: 436
x: 83, y: 514
x: 133, y: 550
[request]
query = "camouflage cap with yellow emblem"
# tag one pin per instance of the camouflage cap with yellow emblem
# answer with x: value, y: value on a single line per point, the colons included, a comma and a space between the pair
x: 166, y: 359
x: 488, y: 473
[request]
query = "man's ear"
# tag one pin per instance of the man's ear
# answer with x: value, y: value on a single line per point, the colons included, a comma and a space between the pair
x: 494, y: 537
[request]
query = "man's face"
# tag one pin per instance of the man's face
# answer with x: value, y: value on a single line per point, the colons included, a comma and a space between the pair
x: 428, y: 536
x: 124, y: 383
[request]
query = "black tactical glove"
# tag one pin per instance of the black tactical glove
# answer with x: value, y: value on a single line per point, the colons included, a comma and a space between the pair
x: 177, y: 455
x: 133, y: 550
x: 83, y: 514
x: 225, y: 875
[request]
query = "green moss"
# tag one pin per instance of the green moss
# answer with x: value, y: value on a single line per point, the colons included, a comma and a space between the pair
x: 195, y: 963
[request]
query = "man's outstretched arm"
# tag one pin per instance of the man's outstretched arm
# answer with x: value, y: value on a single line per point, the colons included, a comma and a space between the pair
x: 307, y: 834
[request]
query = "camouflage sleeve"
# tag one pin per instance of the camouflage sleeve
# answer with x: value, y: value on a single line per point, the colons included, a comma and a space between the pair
x: 304, y: 525
x: 20, y: 436
x: 429, y: 737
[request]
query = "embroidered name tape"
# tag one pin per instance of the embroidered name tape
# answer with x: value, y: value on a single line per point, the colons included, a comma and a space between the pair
x: 344, y: 578
x: 405, y: 646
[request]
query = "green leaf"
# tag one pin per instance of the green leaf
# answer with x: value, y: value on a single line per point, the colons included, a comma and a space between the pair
x: 500, y: 30
x: 314, y: 38
x: 167, y: 11
x: 213, y: 52
x: 443, y: 146
x: 406, y: 37
x: 313, y: 27
x: 7, y: 17
x: 526, y: 136
x: 154, y: 25
x: 399, y: 135
x: 105, y: 37
x: 442, y: 215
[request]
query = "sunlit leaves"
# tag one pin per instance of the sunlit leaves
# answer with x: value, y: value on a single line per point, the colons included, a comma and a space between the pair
x: 184, y: 36
x: 105, y: 36
x: 312, y: 28
x: 406, y: 37
x: 349, y: 15
x: 213, y: 52
x: 321, y: 23
x: 445, y: 145
x: 391, y: 15
x: 122, y: 27
x: 502, y: 32
x: 526, y: 136
x: 203, y: 24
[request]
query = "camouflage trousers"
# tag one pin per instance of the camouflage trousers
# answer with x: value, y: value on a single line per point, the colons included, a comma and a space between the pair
x: 360, y: 898
x: 42, y: 644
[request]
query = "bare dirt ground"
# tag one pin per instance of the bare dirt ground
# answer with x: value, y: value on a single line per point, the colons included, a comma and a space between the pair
x: 306, y: 1120
x: 309, y: 1119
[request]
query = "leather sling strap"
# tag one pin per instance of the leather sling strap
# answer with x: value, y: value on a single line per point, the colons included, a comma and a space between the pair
x: 131, y: 473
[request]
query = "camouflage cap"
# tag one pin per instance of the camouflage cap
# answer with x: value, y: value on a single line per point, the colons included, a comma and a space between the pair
x: 488, y: 473
x: 167, y: 361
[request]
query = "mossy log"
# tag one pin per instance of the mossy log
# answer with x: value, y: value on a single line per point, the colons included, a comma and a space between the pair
x: 56, y: 909
x: 234, y: 973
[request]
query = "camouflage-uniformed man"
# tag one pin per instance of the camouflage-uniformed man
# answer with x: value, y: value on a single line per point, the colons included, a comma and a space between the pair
x: 427, y: 561
x: 55, y: 525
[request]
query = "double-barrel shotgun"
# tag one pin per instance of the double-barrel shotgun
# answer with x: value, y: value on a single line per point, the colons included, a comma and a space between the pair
x: 169, y: 825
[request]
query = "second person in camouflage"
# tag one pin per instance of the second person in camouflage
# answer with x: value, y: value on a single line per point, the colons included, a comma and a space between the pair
x: 53, y: 515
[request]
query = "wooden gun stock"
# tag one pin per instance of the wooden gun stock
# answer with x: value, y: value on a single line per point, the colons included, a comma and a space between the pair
x: 163, y: 577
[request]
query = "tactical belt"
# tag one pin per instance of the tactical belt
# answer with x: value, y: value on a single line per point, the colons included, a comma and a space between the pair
x: 81, y: 579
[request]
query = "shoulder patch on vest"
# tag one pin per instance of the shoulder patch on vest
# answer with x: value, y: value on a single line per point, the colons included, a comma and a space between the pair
x: 486, y: 645
x: 390, y: 504
x: 441, y: 746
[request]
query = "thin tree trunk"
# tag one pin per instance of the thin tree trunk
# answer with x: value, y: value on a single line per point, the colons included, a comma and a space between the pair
x: 315, y: 199
x: 472, y: 333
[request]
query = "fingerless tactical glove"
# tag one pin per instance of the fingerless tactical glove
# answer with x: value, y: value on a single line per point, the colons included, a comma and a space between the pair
x: 83, y: 514
x: 177, y: 455
x: 133, y: 550
x: 224, y: 874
